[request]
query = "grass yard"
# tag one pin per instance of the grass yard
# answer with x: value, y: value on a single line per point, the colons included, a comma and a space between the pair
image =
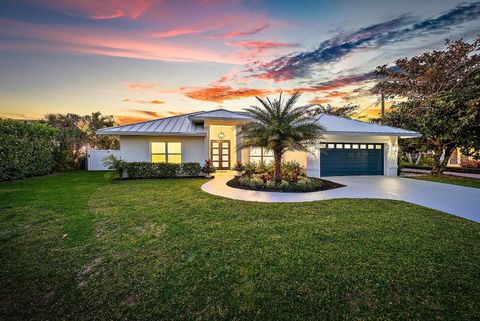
x: 450, y: 179
x: 164, y: 250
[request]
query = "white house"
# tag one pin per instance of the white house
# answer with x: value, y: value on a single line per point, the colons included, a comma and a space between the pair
x: 349, y: 147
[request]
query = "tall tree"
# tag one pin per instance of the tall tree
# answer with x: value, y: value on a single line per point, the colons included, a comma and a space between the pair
x: 344, y: 111
x: 97, y: 121
x: 280, y: 126
x: 440, y: 91
x: 76, y: 133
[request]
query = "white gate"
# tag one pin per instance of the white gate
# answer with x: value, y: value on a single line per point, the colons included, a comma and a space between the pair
x: 95, y: 159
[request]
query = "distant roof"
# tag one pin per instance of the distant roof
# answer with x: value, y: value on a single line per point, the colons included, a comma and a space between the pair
x: 190, y: 125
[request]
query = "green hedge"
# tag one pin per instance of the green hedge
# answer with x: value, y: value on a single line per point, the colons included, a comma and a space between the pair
x: 448, y: 169
x: 26, y: 149
x: 161, y: 170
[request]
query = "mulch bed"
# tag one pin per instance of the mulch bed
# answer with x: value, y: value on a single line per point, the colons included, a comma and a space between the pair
x: 325, y: 185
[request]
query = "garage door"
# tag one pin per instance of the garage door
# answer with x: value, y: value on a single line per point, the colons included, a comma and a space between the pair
x: 341, y: 159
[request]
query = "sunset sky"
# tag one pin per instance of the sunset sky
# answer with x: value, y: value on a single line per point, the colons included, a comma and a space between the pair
x: 144, y: 59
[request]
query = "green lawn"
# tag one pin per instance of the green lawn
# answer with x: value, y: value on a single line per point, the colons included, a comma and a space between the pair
x: 450, y: 179
x: 164, y: 250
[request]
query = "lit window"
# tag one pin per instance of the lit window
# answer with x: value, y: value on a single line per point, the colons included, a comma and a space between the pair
x: 323, y: 145
x: 371, y: 146
x: 167, y: 152
x: 378, y: 146
x: 347, y: 146
x: 258, y: 155
x: 339, y: 145
x: 331, y: 145
x: 363, y: 146
x: 355, y: 146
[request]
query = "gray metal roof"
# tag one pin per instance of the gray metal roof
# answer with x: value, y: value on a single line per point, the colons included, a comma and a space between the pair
x: 220, y: 114
x: 335, y: 125
x: 187, y: 125
x: 170, y: 126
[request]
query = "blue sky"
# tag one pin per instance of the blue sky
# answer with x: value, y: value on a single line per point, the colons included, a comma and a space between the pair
x: 144, y: 59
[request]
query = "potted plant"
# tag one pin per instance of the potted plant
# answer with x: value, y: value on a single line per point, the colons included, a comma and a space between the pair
x: 238, y: 168
x: 208, y: 168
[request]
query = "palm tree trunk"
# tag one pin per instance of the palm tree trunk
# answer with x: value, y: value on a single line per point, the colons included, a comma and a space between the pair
x: 277, y: 172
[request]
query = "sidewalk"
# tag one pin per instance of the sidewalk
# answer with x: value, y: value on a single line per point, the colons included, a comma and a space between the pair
x: 426, y: 171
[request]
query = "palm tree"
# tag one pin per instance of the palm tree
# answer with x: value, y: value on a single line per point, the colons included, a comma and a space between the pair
x: 279, y: 126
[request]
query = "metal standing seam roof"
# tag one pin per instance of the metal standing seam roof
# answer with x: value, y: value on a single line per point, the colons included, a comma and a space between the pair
x: 187, y: 125
x: 346, y: 126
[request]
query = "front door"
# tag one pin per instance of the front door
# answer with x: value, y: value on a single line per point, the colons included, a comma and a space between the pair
x: 220, y: 153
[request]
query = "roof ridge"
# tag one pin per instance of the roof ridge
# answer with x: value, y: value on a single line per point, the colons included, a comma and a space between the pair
x: 224, y: 109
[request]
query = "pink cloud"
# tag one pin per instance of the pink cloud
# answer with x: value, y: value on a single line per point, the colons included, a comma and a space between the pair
x: 105, y: 9
x: 90, y: 40
x: 239, y: 33
x: 259, y: 45
x: 177, y: 32
x: 139, y: 86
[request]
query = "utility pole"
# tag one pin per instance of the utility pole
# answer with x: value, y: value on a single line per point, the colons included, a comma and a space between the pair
x: 382, y: 98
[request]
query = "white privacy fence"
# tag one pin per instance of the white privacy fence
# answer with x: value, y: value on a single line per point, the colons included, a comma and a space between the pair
x: 95, y: 159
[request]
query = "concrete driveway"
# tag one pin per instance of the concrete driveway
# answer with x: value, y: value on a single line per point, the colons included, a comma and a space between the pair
x: 457, y: 200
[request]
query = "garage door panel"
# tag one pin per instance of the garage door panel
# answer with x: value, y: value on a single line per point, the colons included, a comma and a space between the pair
x: 339, y: 161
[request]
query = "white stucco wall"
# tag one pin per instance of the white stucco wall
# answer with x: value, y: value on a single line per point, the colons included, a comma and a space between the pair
x: 137, y: 148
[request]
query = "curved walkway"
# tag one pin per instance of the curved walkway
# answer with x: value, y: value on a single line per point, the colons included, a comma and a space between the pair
x: 457, y: 200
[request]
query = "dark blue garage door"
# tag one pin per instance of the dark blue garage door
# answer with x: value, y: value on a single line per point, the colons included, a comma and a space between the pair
x: 341, y: 159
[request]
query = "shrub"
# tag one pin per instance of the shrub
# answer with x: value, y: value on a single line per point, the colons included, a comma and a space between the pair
x: 239, y: 167
x: 152, y: 170
x: 208, y: 168
x: 26, y: 149
x: 190, y: 169
x: 250, y: 168
x: 470, y: 163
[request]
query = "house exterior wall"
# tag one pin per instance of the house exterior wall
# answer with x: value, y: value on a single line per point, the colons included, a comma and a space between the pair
x: 137, y: 148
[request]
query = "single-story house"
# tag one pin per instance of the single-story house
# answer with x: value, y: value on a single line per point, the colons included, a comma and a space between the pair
x: 349, y: 147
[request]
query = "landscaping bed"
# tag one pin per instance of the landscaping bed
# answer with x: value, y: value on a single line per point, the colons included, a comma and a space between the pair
x: 308, y: 184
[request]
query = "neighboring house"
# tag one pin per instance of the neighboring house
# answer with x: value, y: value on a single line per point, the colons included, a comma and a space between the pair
x: 349, y: 147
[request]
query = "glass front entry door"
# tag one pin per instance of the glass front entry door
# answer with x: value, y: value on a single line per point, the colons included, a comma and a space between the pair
x: 220, y: 150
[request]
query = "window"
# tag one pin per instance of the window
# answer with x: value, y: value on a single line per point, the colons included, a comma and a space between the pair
x: 331, y: 145
x: 339, y: 145
x: 378, y: 146
x: 261, y: 155
x: 355, y: 146
x: 371, y: 146
x: 363, y: 146
x: 167, y: 152
x: 347, y: 146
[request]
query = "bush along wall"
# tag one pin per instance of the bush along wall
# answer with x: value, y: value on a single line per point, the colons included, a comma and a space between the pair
x: 26, y: 149
x: 160, y: 170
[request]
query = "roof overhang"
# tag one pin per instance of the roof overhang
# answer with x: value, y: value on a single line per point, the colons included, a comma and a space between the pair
x: 120, y: 133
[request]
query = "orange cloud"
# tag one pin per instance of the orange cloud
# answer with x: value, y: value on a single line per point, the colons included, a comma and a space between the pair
x: 148, y: 113
x: 138, y: 86
x: 336, y: 94
x: 319, y: 100
x: 105, y: 9
x: 152, y: 102
x: 125, y: 120
x: 220, y: 93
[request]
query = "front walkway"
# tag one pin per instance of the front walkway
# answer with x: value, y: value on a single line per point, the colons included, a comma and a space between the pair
x: 457, y: 200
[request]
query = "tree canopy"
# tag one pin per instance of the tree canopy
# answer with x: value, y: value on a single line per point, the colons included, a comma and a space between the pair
x: 440, y: 97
